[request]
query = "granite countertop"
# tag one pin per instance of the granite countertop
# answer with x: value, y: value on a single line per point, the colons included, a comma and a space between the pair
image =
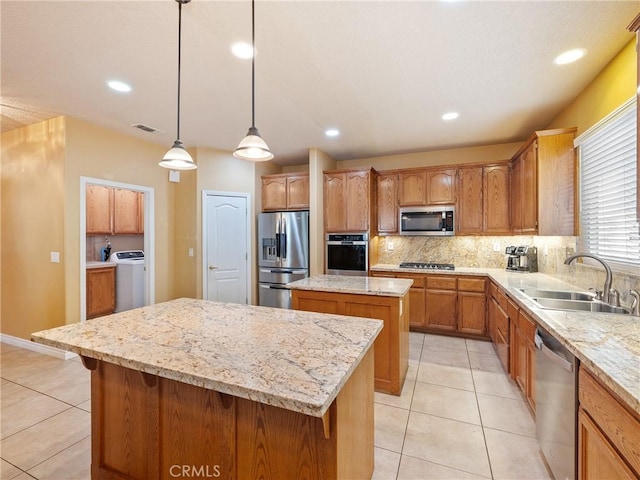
x: 607, y: 344
x: 386, y: 287
x: 100, y: 264
x: 286, y: 358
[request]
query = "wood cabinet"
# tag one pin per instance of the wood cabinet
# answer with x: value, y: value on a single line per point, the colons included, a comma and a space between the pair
x: 524, y: 356
x: 391, y: 347
x: 543, y: 184
x: 608, y: 433
x: 412, y: 189
x: 114, y: 211
x: 445, y: 303
x: 387, y: 199
x: 483, y: 200
x: 500, y: 324
x: 101, y: 291
x: 441, y: 186
x: 99, y: 209
x: 349, y: 200
x: 288, y: 191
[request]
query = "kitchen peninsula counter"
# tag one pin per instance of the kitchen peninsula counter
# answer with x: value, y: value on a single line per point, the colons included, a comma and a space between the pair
x: 243, y: 390
x: 608, y: 344
x: 382, y: 298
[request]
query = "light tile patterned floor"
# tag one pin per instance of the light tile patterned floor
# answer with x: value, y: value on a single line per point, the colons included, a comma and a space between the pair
x: 458, y: 417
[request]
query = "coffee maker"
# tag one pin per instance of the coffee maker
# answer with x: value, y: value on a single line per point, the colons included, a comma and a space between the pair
x: 522, y: 259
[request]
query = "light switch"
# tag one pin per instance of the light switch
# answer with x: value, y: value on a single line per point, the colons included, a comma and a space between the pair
x: 55, y: 257
x: 191, y: 252
x: 496, y: 247
x: 389, y: 245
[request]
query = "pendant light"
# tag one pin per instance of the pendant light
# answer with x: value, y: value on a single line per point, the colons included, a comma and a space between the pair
x: 177, y: 158
x: 253, y: 147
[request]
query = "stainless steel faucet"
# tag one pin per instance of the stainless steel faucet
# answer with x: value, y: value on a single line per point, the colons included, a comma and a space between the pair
x: 607, y: 268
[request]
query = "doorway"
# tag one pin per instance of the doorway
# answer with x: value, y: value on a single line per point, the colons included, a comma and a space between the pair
x: 226, y: 240
x: 148, y: 241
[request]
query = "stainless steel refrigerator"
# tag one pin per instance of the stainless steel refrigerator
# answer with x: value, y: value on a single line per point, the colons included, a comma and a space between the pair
x: 283, y: 256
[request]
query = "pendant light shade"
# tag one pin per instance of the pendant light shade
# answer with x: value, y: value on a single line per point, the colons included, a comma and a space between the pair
x: 253, y: 147
x: 177, y: 158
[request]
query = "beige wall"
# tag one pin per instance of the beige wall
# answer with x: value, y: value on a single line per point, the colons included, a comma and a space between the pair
x: 613, y: 86
x: 185, y: 221
x: 33, y: 221
x: 318, y: 162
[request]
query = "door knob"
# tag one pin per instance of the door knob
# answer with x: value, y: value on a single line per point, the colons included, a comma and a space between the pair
x: 212, y: 267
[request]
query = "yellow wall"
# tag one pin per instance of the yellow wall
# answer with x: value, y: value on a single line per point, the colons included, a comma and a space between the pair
x: 613, y: 86
x: 318, y: 162
x: 33, y: 224
x: 185, y: 279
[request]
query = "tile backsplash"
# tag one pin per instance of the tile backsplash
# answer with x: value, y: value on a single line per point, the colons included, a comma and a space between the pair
x: 478, y: 251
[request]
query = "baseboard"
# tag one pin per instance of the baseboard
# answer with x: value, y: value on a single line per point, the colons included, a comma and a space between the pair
x: 35, y: 347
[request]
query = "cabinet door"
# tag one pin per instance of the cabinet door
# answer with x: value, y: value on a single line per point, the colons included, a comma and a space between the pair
x: 125, y: 215
x: 469, y: 205
x: 101, y: 291
x: 531, y: 374
x: 417, y: 303
x: 335, y: 219
x: 358, y: 199
x: 496, y: 199
x: 521, y: 360
x: 99, y: 209
x: 141, y: 213
x: 413, y: 188
x: 441, y: 187
x: 298, y: 192
x: 516, y: 195
x: 471, y: 313
x: 530, y: 189
x: 274, y: 193
x: 597, y: 459
x: 387, y: 190
x: 441, y: 309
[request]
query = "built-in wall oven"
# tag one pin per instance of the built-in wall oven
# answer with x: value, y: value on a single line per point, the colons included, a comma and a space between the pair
x: 347, y: 254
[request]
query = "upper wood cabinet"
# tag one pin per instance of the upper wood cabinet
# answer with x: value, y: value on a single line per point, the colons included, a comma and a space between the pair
x: 349, y: 200
x: 114, y: 211
x: 543, y: 184
x: 285, y: 192
x: 99, y: 209
x: 412, y: 188
x: 441, y: 186
x: 387, y: 193
x: 483, y: 200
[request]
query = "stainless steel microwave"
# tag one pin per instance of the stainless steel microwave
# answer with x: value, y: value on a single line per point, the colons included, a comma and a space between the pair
x: 432, y: 221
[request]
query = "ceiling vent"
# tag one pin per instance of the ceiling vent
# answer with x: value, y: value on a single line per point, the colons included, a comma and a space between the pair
x: 147, y: 128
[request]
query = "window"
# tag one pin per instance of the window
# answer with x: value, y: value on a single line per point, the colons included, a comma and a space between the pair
x: 608, y: 190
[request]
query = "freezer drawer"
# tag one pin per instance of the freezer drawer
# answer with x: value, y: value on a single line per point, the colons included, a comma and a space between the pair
x: 274, y: 295
x: 281, y: 276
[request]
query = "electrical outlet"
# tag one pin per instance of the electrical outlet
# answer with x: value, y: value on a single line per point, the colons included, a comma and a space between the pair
x: 389, y: 245
x: 55, y: 257
x: 496, y: 247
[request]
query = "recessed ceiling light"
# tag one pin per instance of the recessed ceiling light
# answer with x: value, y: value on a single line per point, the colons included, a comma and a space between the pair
x: 242, y: 50
x: 119, y: 86
x: 570, y: 56
x: 450, y: 116
x: 332, y: 132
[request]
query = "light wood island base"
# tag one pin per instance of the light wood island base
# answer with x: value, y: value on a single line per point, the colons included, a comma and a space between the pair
x: 145, y: 426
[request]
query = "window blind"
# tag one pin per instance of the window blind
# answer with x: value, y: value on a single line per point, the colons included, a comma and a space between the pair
x: 608, y: 189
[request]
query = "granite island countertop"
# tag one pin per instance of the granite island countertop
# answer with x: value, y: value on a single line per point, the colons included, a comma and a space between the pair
x: 608, y: 344
x: 290, y: 359
x: 386, y: 287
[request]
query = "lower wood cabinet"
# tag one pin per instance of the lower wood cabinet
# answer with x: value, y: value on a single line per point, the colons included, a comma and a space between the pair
x: 101, y: 291
x: 391, y: 347
x: 523, y: 356
x: 608, y: 433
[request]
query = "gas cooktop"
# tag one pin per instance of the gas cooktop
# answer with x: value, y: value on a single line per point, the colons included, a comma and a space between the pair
x: 428, y: 266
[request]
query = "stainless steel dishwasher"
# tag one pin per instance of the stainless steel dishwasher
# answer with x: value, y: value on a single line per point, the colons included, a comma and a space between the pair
x: 556, y: 405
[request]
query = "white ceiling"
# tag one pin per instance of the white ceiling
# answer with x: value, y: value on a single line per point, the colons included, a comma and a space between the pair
x: 383, y: 72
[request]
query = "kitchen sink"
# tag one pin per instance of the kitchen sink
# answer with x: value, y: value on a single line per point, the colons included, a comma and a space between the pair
x: 579, y: 305
x: 557, y: 294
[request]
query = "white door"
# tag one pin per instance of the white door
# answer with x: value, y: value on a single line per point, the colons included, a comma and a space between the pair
x: 227, y: 247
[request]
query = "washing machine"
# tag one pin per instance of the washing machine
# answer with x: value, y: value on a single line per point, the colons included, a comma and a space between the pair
x: 129, y: 279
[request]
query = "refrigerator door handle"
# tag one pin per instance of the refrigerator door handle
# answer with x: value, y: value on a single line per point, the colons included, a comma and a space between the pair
x: 278, y: 238
x: 283, y: 238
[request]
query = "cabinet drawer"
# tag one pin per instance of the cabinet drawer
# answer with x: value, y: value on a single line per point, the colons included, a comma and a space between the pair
x: 502, y: 324
x: 493, y: 290
x: 418, y: 279
x: 471, y: 284
x: 615, y: 421
x: 438, y: 282
x: 527, y: 327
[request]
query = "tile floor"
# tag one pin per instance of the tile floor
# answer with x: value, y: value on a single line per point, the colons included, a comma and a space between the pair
x: 458, y: 417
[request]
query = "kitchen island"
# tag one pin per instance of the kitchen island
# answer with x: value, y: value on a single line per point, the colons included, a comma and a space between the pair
x: 191, y: 388
x: 385, y: 299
